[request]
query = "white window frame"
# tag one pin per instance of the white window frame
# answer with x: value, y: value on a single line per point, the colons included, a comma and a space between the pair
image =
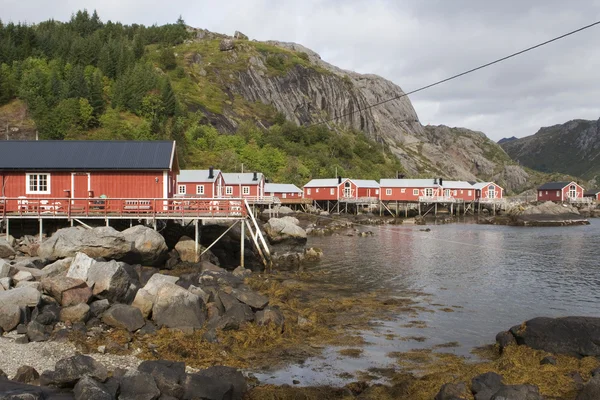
x: 332, y: 191
x: 199, y: 189
x: 179, y: 189
x: 469, y: 193
x: 428, y: 192
x: 388, y: 192
x: 376, y: 191
x: 402, y: 190
x: 317, y: 190
x: 456, y: 192
x: 415, y: 192
x: 229, y: 190
x: 307, y: 191
x: 557, y: 193
x: 28, y: 189
x: 284, y: 195
x: 246, y: 190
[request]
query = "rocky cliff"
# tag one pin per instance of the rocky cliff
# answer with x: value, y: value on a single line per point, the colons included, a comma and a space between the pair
x: 571, y: 148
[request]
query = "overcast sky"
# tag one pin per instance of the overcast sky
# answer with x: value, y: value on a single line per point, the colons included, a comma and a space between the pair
x: 412, y: 43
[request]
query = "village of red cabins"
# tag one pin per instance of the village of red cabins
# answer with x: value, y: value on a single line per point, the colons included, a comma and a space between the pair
x: 145, y: 174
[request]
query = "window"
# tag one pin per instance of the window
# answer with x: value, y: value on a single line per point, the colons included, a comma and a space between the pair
x: 557, y: 193
x: 388, y: 192
x: 415, y: 192
x: 199, y: 189
x: 229, y: 190
x: 284, y: 195
x: 332, y: 191
x: 429, y: 192
x: 541, y: 193
x: 456, y: 192
x: 181, y: 189
x: 402, y: 190
x: 469, y: 193
x: 307, y: 191
x: 246, y: 190
x: 317, y: 190
x: 38, y: 184
x: 376, y: 191
x: 546, y: 192
x: 461, y: 192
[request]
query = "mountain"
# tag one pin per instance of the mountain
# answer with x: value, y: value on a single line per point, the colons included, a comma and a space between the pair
x: 570, y: 148
x: 227, y: 100
x: 504, y: 140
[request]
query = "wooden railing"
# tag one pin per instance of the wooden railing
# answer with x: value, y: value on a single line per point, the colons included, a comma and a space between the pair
x: 437, y: 199
x: 121, y: 207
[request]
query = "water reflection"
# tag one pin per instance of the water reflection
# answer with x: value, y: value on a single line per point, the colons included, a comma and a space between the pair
x: 496, y: 276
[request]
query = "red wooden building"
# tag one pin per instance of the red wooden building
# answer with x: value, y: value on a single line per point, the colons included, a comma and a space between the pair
x: 283, y: 190
x: 488, y: 191
x: 87, y: 169
x: 340, y: 189
x: 560, y: 192
x: 409, y: 190
x: 207, y: 183
x: 243, y: 185
x: 459, y: 190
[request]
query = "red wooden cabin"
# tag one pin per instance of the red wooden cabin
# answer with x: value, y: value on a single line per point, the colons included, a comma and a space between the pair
x: 208, y: 183
x: 340, y: 189
x: 559, y: 191
x: 409, y: 189
x: 283, y: 190
x: 242, y: 185
x: 488, y: 191
x: 459, y: 190
x: 56, y: 169
x: 593, y: 194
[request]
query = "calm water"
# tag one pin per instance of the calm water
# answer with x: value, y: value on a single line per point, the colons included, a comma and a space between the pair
x: 498, y: 276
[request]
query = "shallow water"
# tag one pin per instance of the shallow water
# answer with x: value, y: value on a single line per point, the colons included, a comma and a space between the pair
x: 492, y: 277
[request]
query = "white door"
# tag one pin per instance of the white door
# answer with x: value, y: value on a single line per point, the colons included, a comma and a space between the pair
x: 573, y: 192
x: 429, y: 192
x: 491, y: 192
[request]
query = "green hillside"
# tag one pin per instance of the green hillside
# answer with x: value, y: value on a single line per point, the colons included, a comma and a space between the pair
x: 89, y: 79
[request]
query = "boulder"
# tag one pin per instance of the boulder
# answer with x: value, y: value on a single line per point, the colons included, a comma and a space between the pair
x: 143, y: 302
x: 47, y: 314
x: 6, y: 249
x: 144, y: 298
x: 505, y: 339
x: 4, y: 269
x: 103, y: 241
x: 38, y: 332
x: 452, y: 391
x: 98, y: 307
x: 31, y: 284
x: 591, y: 391
x: 175, y: 307
x: 250, y: 297
x: 222, y: 378
x: 90, y: 389
x: 10, y: 316
x: 485, y: 385
x: 186, y: 248
x: 69, y: 370
x: 58, y: 267
x: 236, y: 316
x: 240, y: 36
x: 149, y: 246
x: 517, y: 392
x: 26, y: 374
x: 22, y: 276
x: 5, y: 283
x: 137, y: 385
x: 285, y: 229
x: 124, y: 317
x: 109, y: 281
x: 168, y: 375
x: 226, y: 45
x: 200, y: 293
x: 242, y: 272
x: 22, y: 297
x: 573, y: 336
x: 156, y: 282
x: 77, y: 313
x: 56, y: 287
x: 270, y: 315
x: 80, y: 267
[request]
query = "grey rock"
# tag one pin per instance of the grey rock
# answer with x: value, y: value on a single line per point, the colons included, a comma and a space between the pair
x: 452, y: 391
x: 56, y: 286
x: 270, y: 315
x: 251, y: 298
x: 149, y: 246
x: 22, y: 297
x: 124, y: 317
x: 58, y: 267
x: 200, y: 293
x: 6, y: 249
x: 224, y: 377
x: 485, y: 385
x: 242, y: 272
x: 22, y: 276
x: 226, y: 45
x: 98, y: 242
x: 169, y: 376
x: 89, y: 389
x: 505, y: 339
x: 80, y: 266
x: 26, y: 374
x: 98, y: 307
x: 175, y: 307
x: 285, y: 229
x: 10, y: 316
x: 6, y: 283
x: 137, y: 385
x: 145, y: 298
x: 37, y: 332
x: 225, y: 301
x: 46, y: 314
x: 574, y: 336
x: 77, y: 313
x: 517, y: 392
x: 591, y: 391
x: 240, y: 36
x: 109, y: 281
x: 4, y: 269
x: 203, y: 387
x: 69, y: 370
x: 210, y: 336
x: 30, y: 284
x: 548, y: 360
x: 148, y: 329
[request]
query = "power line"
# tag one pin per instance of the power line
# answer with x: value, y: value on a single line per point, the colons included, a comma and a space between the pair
x: 499, y: 60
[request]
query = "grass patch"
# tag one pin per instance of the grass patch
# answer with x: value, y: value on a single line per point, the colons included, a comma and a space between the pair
x: 353, y: 353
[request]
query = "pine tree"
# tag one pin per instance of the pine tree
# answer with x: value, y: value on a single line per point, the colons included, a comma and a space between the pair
x: 96, y: 98
x: 167, y: 58
x: 138, y: 47
x: 168, y: 98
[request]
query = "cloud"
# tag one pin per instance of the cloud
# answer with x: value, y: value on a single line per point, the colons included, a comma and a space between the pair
x: 412, y: 43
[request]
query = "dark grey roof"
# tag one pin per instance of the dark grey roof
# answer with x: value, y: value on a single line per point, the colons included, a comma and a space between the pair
x: 592, y: 192
x: 553, y: 185
x: 86, y: 155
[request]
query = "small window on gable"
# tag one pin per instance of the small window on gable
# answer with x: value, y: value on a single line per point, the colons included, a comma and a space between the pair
x: 388, y: 192
x: 181, y: 189
x: 415, y: 192
x: 199, y: 189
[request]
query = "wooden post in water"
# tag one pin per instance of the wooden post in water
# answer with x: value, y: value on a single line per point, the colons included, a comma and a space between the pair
x: 242, y: 240
x: 405, y: 210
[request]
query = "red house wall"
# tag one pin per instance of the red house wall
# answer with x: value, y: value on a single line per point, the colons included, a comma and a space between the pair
x: 368, y: 192
x: 483, y: 194
x: 237, y: 191
x: 288, y: 195
x: 320, y: 193
x: 210, y: 188
x: 565, y: 190
x: 353, y: 189
x: 548, y: 195
x: 408, y: 195
x: 462, y: 194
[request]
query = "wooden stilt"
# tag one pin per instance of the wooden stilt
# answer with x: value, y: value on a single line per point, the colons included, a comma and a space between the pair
x: 41, y: 229
x: 7, y: 229
x: 242, y: 243
x: 196, y: 239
